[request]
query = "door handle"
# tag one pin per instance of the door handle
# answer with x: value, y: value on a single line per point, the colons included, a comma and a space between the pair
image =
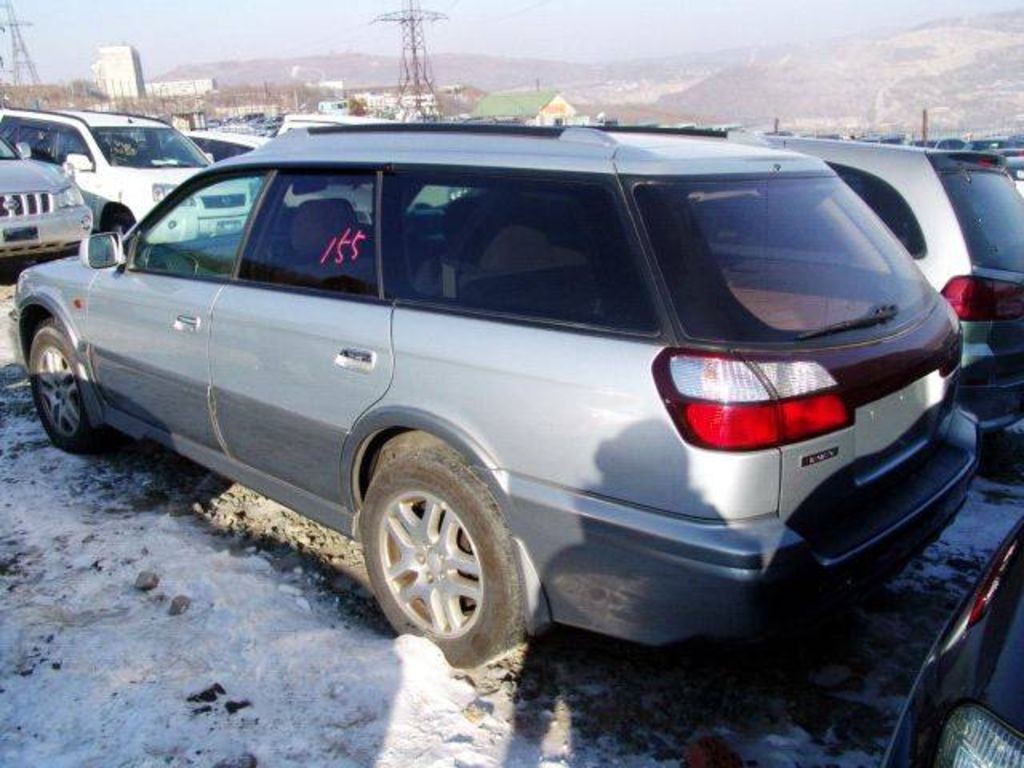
x: 186, y: 323
x: 361, y: 360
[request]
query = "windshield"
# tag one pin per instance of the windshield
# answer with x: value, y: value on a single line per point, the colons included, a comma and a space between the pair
x: 136, y: 147
x: 7, y: 151
x: 774, y: 260
x: 991, y: 214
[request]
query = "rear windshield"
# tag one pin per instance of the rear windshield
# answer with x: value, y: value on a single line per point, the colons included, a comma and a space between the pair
x: 991, y: 214
x: 775, y: 260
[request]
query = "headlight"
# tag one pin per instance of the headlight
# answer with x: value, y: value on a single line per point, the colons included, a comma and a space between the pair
x: 160, y: 191
x: 69, y: 197
x: 973, y: 738
x: 1019, y: 174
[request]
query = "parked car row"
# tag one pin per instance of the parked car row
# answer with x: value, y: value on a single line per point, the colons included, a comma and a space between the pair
x: 654, y: 386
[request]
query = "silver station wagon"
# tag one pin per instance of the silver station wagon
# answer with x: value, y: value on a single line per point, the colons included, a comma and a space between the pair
x: 650, y: 385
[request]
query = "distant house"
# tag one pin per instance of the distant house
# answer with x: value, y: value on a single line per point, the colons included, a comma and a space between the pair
x: 530, y: 107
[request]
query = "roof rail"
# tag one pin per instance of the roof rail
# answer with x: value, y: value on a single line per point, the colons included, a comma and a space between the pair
x: 587, y: 133
x: 487, y: 129
x: 703, y: 133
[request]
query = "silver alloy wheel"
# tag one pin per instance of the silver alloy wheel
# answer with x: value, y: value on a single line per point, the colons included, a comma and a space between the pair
x: 431, y: 564
x: 58, y: 391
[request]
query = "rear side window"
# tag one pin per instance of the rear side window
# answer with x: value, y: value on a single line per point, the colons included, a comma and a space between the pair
x: 769, y: 260
x: 888, y: 205
x: 554, y: 250
x: 315, y: 230
x: 220, y: 150
x: 991, y: 215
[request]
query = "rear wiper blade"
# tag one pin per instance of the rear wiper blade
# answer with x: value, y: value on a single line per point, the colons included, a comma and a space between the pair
x: 876, y: 316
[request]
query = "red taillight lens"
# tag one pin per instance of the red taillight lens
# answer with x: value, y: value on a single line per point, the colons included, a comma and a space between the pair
x: 990, y: 584
x: 733, y: 427
x: 729, y: 404
x: 810, y: 416
x: 980, y: 299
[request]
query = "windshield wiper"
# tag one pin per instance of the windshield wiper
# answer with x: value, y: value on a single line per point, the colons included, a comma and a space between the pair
x: 876, y: 316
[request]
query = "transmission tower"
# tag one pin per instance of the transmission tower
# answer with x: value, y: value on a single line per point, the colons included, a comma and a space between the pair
x: 415, y: 81
x: 21, y: 66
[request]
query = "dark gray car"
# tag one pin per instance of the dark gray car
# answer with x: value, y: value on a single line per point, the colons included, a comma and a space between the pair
x: 652, y: 386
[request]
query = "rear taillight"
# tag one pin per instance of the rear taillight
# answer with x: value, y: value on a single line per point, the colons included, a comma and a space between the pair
x: 983, y: 299
x: 989, y: 586
x: 728, y: 404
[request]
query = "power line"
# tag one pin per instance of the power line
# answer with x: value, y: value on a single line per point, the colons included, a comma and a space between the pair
x: 415, y: 80
x: 21, y: 66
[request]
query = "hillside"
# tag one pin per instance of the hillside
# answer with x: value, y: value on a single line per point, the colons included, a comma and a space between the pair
x: 968, y: 72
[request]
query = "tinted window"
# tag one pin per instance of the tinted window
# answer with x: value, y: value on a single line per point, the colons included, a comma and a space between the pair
x: 70, y: 142
x: 200, y: 235
x: 140, y: 147
x: 890, y: 206
x: 8, y: 127
x: 551, y: 250
x: 220, y: 150
x: 768, y: 260
x: 991, y: 214
x: 41, y: 137
x: 316, y: 231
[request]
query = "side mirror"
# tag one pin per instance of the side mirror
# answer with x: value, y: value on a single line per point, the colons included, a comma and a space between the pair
x: 76, y: 163
x: 24, y: 150
x: 102, y: 251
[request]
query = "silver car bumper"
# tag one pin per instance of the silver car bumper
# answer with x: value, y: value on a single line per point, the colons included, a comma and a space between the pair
x: 14, y: 337
x: 52, y: 232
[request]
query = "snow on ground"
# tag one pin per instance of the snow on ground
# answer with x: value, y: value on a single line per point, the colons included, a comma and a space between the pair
x: 281, y: 658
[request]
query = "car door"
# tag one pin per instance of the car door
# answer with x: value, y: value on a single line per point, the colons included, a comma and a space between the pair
x: 301, y: 343
x: 149, y: 325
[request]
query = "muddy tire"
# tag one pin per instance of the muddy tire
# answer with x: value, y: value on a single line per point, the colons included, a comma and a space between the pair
x: 57, y: 394
x: 440, y: 556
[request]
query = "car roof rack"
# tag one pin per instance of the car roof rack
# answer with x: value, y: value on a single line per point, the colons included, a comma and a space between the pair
x: 516, y: 129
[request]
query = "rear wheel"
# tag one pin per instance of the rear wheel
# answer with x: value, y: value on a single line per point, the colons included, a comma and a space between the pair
x: 57, y: 393
x: 439, y: 555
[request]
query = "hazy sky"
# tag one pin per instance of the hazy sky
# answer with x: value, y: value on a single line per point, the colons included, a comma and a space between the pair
x: 65, y: 33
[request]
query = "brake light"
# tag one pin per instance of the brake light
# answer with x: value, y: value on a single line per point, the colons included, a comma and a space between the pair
x: 983, y: 299
x: 727, y: 404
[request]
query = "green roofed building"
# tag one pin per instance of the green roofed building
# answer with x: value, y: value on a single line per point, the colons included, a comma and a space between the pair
x: 528, y: 107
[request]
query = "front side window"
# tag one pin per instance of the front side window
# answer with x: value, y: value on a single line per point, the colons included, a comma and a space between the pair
x: 888, y: 205
x: 41, y: 138
x: 316, y: 231
x: 554, y: 250
x: 777, y: 259
x: 70, y: 142
x: 201, y: 234
x: 144, y: 147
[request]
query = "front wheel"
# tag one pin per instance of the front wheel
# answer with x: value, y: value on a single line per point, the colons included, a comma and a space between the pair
x: 57, y: 394
x: 440, y: 557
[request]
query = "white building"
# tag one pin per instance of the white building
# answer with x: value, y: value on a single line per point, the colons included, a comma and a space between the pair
x: 172, y: 89
x: 118, y: 72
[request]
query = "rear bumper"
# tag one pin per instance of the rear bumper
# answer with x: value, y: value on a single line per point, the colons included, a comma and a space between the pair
x: 58, y: 233
x: 995, y: 406
x: 656, y: 579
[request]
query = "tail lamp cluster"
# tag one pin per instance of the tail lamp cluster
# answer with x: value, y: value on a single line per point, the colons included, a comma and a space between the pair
x: 729, y: 404
x: 980, y: 299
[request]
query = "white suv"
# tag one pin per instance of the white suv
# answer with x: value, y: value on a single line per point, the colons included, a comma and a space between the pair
x: 124, y: 164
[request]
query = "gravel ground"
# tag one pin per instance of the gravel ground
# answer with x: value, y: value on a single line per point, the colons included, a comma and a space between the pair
x: 569, y: 698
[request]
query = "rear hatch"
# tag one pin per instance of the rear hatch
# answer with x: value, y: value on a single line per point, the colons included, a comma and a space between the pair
x: 794, y: 279
x: 991, y: 216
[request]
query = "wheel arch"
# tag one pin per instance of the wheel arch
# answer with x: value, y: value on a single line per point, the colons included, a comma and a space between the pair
x: 374, y: 430
x: 37, y: 310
